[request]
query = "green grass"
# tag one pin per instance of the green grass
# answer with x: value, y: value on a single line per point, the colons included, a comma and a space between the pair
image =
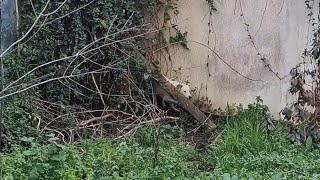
x: 244, y: 152
x: 245, y: 134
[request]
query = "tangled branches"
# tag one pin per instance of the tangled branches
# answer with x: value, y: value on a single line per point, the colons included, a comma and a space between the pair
x: 77, y: 72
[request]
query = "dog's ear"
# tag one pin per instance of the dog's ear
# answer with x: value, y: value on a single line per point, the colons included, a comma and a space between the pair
x: 179, y: 86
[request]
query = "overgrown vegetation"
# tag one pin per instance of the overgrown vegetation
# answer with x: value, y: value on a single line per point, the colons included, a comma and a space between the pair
x: 245, y: 151
x: 77, y: 64
x: 302, y: 115
x: 79, y: 80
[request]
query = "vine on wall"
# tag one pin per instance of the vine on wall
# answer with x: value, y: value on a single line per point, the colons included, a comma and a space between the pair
x: 303, y: 114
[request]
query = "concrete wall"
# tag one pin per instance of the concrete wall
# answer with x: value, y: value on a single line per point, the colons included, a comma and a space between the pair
x: 279, y: 29
x: 9, y: 24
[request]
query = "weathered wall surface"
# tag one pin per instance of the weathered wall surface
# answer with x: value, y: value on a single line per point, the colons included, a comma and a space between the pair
x: 8, y: 30
x: 279, y: 29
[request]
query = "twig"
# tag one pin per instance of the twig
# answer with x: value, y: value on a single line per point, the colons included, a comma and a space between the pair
x: 79, y: 53
x: 28, y: 32
x: 84, y: 123
x: 99, y: 91
x: 44, y: 82
x: 49, y: 22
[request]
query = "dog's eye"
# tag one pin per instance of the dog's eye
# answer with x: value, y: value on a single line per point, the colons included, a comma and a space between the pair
x: 185, y: 91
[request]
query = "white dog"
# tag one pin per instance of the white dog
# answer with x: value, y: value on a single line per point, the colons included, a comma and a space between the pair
x: 182, y: 87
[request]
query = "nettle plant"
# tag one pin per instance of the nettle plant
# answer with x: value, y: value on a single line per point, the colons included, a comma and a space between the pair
x: 304, y: 113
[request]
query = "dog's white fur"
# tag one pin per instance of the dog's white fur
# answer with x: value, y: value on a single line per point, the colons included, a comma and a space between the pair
x: 183, y: 88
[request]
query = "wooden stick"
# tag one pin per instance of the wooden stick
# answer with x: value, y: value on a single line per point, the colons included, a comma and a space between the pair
x: 84, y: 123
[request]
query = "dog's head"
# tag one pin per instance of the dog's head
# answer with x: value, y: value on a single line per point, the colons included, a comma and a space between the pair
x: 182, y: 87
x: 185, y: 90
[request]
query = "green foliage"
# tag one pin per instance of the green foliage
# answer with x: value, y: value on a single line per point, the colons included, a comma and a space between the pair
x: 211, y: 5
x: 98, y: 160
x: 18, y: 114
x: 132, y: 158
x: 18, y: 122
x: 246, y: 151
x: 245, y: 132
x: 179, y: 38
x: 291, y: 163
x: 146, y: 135
x: 15, y: 67
x: 169, y: 7
x: 62, y: 35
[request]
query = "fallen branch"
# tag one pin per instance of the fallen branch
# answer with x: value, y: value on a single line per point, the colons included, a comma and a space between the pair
x: 184, y: 102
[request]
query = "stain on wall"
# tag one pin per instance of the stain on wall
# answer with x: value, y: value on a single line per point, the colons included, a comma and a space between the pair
x: 222, y: 59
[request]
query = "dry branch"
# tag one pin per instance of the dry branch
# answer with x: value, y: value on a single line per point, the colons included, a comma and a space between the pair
x: 84, y: 123
x: 186, y: 103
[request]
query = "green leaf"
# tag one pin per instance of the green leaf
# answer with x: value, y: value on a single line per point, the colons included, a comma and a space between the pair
x: 276, y: 176
x: 30, y: 152
x: 50, y: 135
x: 309, y: 142
x: 234, y: 177
x: 226, y: 176
x: 33, y: 174
x: 103, y: 23
x: 53, y: 139
x: 59, y: 145
x: 59, y: 157
x: 27, y: 139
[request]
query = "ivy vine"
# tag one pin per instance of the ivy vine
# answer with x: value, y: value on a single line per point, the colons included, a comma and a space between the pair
x: 117, y: 79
